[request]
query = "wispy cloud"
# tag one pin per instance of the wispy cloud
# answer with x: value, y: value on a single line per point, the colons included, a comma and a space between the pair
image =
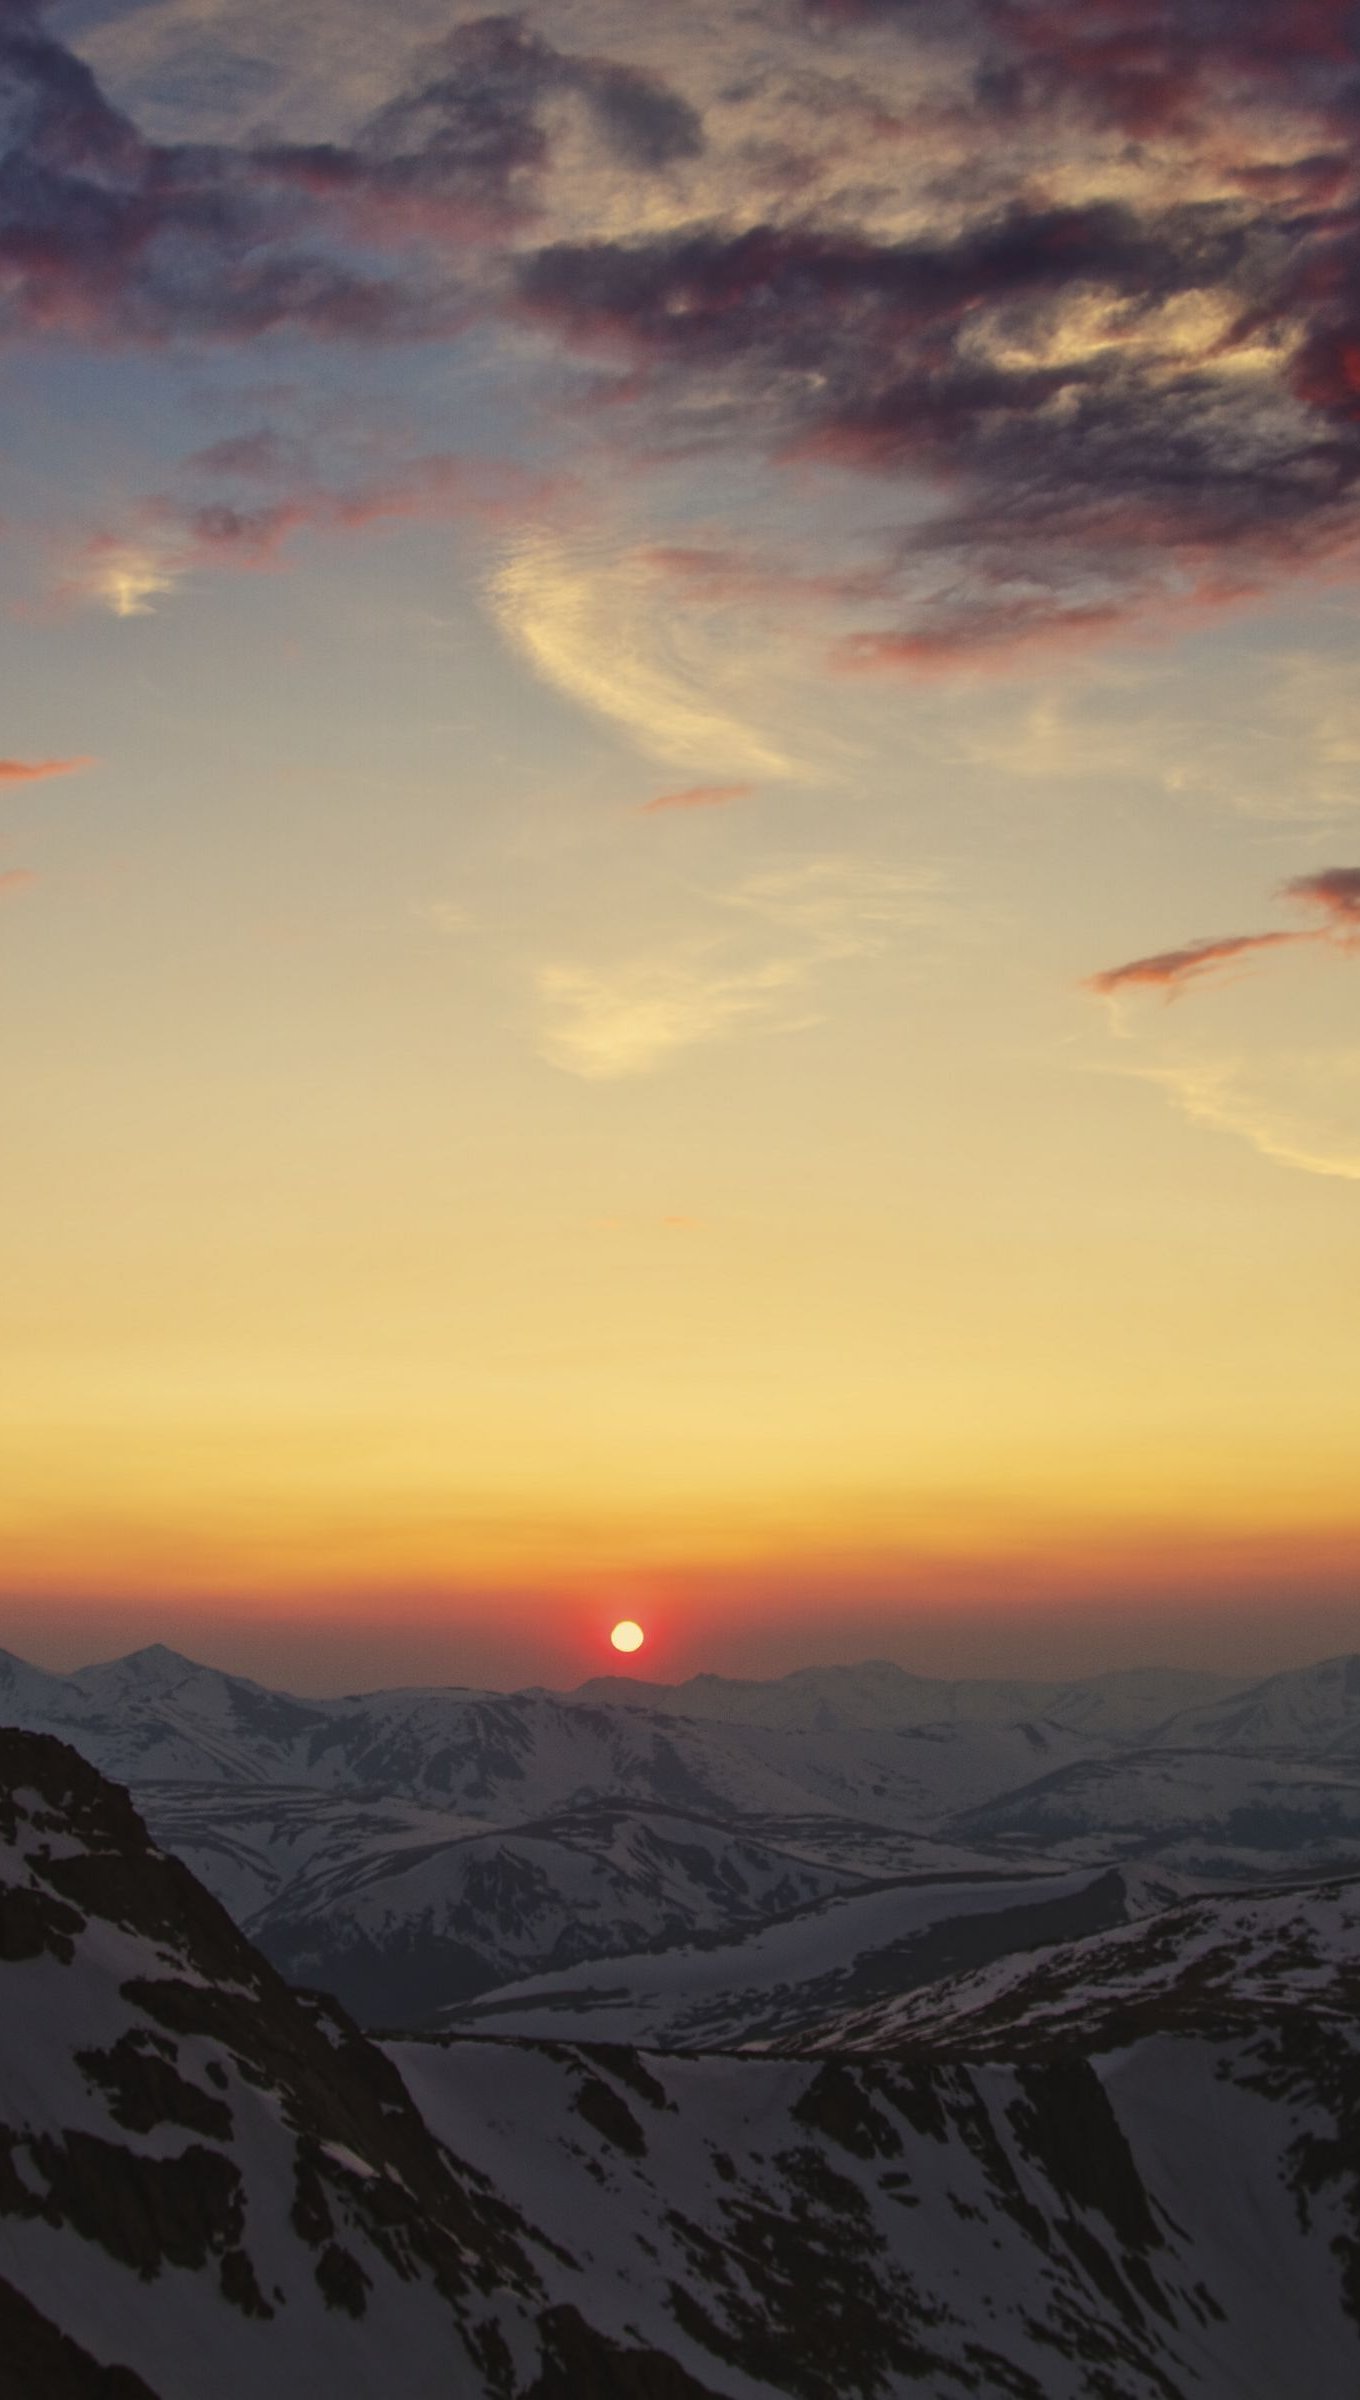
x: 1296, y: 1102
x: 126, y: 577
x: 16, y: 879
x: 594, y: 620
x: 606, y: 1023
x: 1299, y: 1107
x: 1334, y: 891
x: 37, y: 770
x: 631, y: 1016
x: 1170, y: 971
x: 169, y: 536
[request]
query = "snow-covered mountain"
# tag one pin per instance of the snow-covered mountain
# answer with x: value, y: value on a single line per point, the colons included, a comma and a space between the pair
x: 1121, y: 1705
x: 156, y: 1717
x: 1175, y: 2220
x: 1218, y: 1815
x: 1237, y: 1964
x: 400, y: 1912
x: 1309, y: 1712
x: 211, y: 2184
x: 771, y: 1983
x: 207, y: 2181
x: 416, y: 1850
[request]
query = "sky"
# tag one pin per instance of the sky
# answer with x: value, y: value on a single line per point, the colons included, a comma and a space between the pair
x: 680, y: 834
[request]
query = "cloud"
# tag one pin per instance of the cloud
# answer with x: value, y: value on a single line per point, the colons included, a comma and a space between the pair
x: 1170, y: 971
x: 840, y: 907
x: 16, y: 879
x: 170, y: 536
x: 1336, y: 891
x: 698, y: 795
x: 1073, y: 287
x: 594, y: 618
x: 37, y: 770
x: 608, y: 1023
x: 106, y: 233
x: 1297, y: 1102
x: 1127, y: 376
x: 1142, y: 68
x: 1333, y: 890
x: 464, y: 149
x: 1088, y: 478
x: 127, y: 577
x: 1300, y: 1107
x: 632, y: 1016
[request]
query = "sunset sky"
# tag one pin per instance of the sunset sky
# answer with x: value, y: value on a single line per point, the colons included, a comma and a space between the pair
x: 680, y: 833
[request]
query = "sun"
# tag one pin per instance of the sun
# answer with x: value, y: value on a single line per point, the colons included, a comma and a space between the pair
x: 627, y: 1636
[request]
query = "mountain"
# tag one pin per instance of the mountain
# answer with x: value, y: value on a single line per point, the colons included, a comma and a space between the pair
x: 400, y: 1912
x: 211, y: 2184
x: 1173, y: 2220
x: 1239, y: 1965
x: 1310, y: 1712
x: 1121, y: 1705
x: 784, y: 1978
x: 156, y: 1717
x: 1220, y: 1815
x: 417, y: 1851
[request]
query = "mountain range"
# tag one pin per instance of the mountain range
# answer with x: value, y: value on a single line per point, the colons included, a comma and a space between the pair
x: 1120, y: 2162
x: 464, y: 1858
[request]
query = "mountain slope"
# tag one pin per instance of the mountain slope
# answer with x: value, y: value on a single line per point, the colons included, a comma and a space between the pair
x: 1219, y: 1815
x: 1311, y: 1712
x: 1175, y: 2222
x: 1225, y: 1964
x: 207, y: 2180
x: 770, y: 1983
x: 212, y: 2185
x: 399, y: 1936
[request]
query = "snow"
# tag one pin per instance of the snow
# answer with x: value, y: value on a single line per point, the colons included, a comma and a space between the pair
x: 750, y: 1988
x: 962, y: 2217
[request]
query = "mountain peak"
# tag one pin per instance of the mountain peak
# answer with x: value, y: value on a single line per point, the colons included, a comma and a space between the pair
x: 155, y: 1658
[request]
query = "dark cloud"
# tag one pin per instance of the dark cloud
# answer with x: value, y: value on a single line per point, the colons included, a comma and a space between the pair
x: 1071, y: 483
x: 1076, y: 480
x: 470, y: 127
x: 1168, y: 465
x: 465, y: 146
x: 104, y: 232
x: 257, y: 457
x: 1141, y: 67
x: 1336, y: 891
x: 798, y: 295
